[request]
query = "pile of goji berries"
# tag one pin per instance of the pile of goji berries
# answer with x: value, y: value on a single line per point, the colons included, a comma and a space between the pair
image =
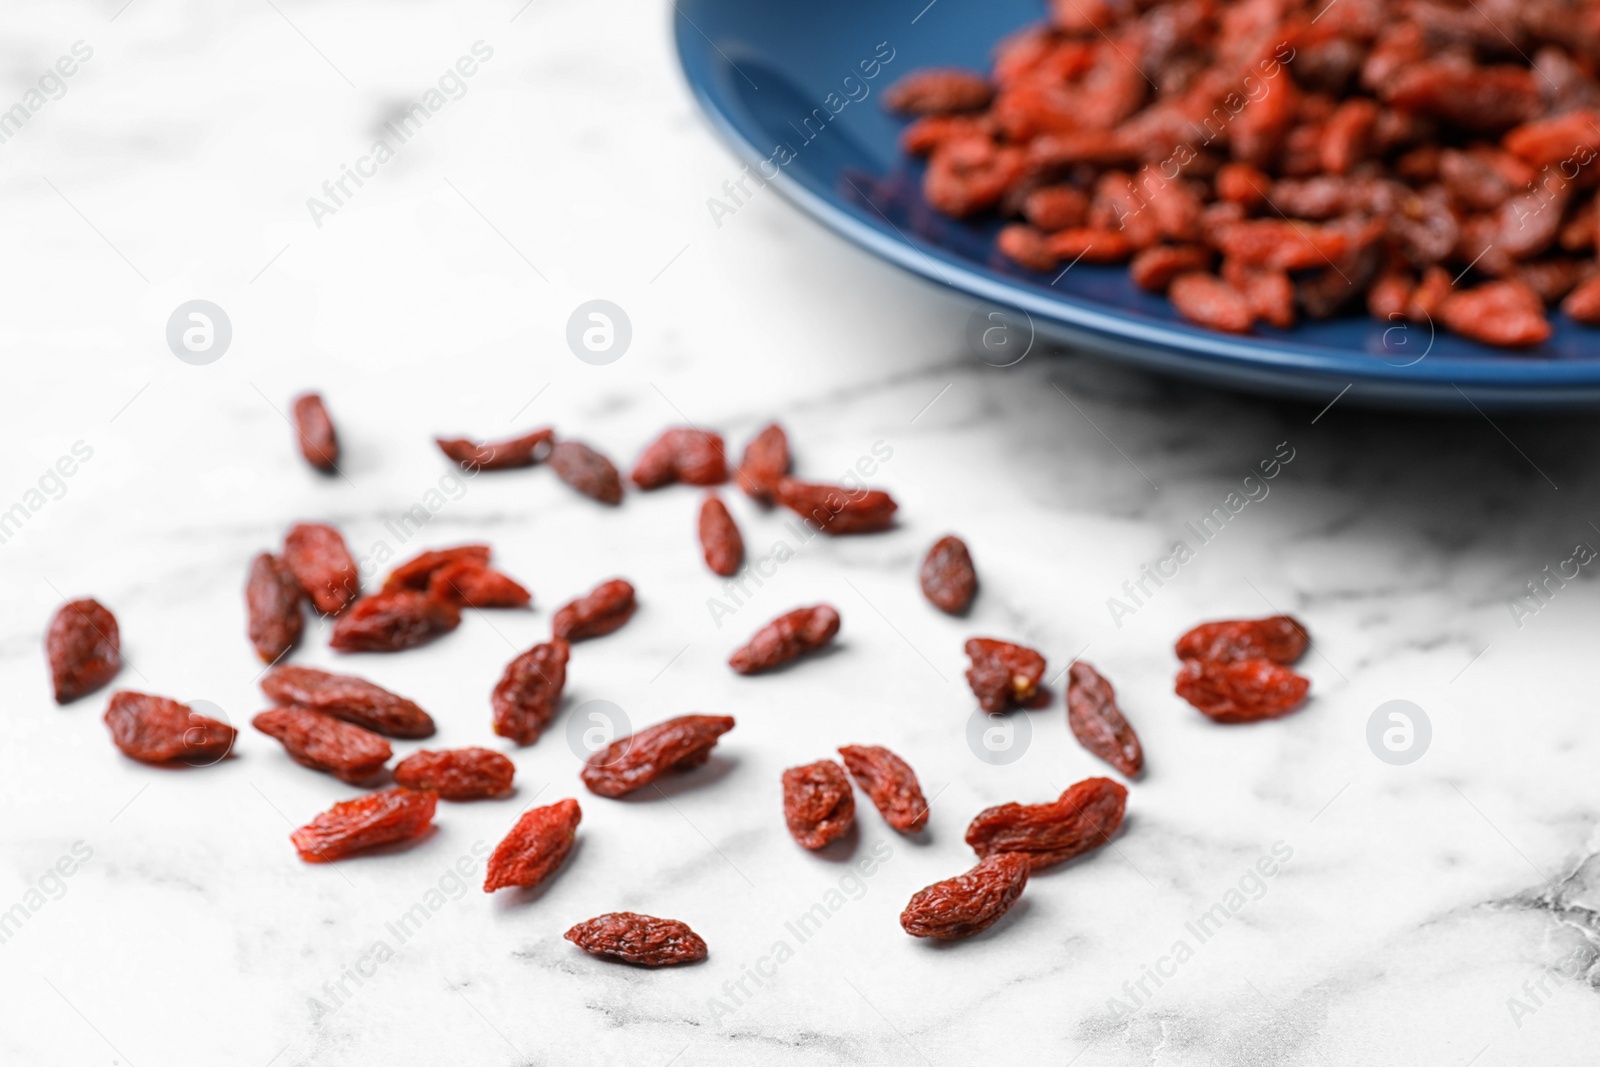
x: 1260, y: 160
x: 338, y: 724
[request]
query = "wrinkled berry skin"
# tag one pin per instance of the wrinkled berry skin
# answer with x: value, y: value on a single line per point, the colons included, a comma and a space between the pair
x: 1083, y: 818
x: 642, y: 940
x: 1003, y: 674
x: 323, y: 743
x: 418, y: 571
x: 598, y: 612
x: 1245, y: 690
x: 529, y: 691
x: 890, y: 783
x: 469, y: 584
x: 939, y: 91
x: 83, y: 647
x: 157, y: 730
x: 522, y: 451
x: 1279, y: 638
x: 587, y: 471
x: 818, y: 805
x: 633, y: 762
x: 968, y: 903
x: 349, y: 698
x: 1097, y: 722
x: 393, y: 622
x: 786, y: 637
x: 319, y: 444
x: 272, y: 608
x: 320, y: 561
x: 682, y: 454
x: 457, y: 773
x: 720, y: 539
x: 536, y: 846
x: 948, y: 578
x: 765, y: 462
x: 365, y: 822
x: 838, y: 510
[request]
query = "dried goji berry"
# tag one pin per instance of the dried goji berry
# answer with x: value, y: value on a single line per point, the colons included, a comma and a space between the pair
x: 522, y: 451
x: 366, y: 822
x: 890, y: 783
x: 157, y: 730
x: 1155, y: 267
x: 1056, y: 207
x: 470, y: 584
x: 786, y: 637
x: 598, y: 612
x: 931, y: 92
x: 1083, y: 817
x: 1481, y: 98
x: 321, y: 562
x: 836, y: 509
x: 529, y: 691
x: 1279, y: 638
x: 457, y: 773
x: 392, y: 622
x: 765, y: 462
x: 719, y: 537
x: 1027, y: 247
x: 1500, y: 313
x: 1003, y: 674
x: 586, y: 470
x: 313, y: 739
x: 417, y: 572
x: 682, y: 454
x: 349, y: 698
x: 83, y: 647
x: 1243, y: 690
x: 818, y: 805
x: 1097, y: 722
x: 633, y: 762
x: 1583, y: 303
x: 639, y: 939
x: 968, y: 903
x: 535, y: 847
x: 948, y: 578
x: 272, y: 607
x: 319, y: 444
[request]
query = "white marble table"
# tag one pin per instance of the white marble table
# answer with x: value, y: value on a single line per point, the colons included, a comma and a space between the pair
x: 1439, y: 912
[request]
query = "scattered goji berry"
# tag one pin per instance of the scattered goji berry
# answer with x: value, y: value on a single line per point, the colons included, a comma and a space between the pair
x: 818, y: 804
x: 765, y: 463
x: 1154, y: 268
x: 788, y: 636
x: 643, y: 940
x: 368, y: 821
x: 321, y: 562
x: 969, y: 903
x: 457, y: 773
x: 1505, y: 313
x: 1583, y: 303
x: 522, y: 451
x: 83, y: 647
x: 948, y: 578
x: 836, y: 509
x: 1083, y: 817
x: 1097, y: 722
x: 417, y: 572
x: 682, y: 454
x: 470, y: 584
x: 1279, y: 638
x: 598, y: 612
x: 1243, y: 690
x: 392, y: 622
x: 349, y: 698
x: 586, y: 470
x: 1003, y: 674
x: 932, y: 92
x: 720, y: 540
x: 529, y: 691
x: 891, y: 785
x: 1207, y: 300
x: 319, y: 444
x: 317, y: 740
x: 272, y: 608
x: 535, y: 847
x: 157, y: 730
x: 633, y: 762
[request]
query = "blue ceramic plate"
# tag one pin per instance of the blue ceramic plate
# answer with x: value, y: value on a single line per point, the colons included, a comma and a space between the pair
x: 796, y: 86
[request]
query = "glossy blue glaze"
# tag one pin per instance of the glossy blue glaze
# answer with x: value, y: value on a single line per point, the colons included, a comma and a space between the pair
x: 786, y: 84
